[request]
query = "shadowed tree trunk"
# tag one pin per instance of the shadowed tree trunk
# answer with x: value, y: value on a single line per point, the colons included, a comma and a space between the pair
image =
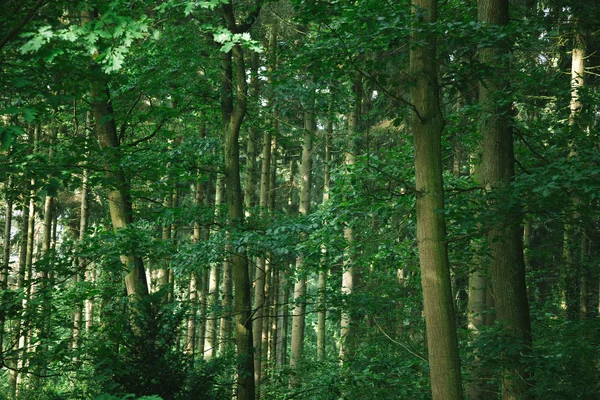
x: 119, y: 199
x: 246, y: 389
x: 505, y: 239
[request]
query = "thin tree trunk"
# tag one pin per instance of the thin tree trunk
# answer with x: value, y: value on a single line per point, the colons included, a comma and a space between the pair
x: 282, y: 320
x: 426, y: 123
x: 81, y: 262
x: 571, y: 271
x: 584, y: 293
x: 19, y: 324
x: 6, y: 256
x: 211, y: 342
x: 241, y: 279
x: 322, y: 282
x: 349, y: 275
x: 299, y: 315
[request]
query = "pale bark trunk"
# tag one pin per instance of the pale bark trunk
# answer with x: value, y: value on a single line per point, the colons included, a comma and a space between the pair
x: 211, y: 343
x: 82, y: 262
x: 23, y: 246
x: 571, y: 271
x: 299, y: 315
x: 507, y: 265
x: 426, y: 123
x: 202, y: 287
x: 45, y: 274
x: 261, y: 263
x: 190, y: 336
x: 349, y: 277
x: 322, y: 283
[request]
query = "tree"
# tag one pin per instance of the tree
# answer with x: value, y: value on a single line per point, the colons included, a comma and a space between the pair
x: 505, y: 238
x: 426, y: 125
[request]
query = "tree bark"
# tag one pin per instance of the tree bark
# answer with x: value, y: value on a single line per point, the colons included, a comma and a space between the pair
x: 119, y: 199
x: 349, y: 276
x: 299, y: 315
x: 505, y: 239
x: 6, y: 243
x: 239, y: 263
x: 426, y: 123
x: 571, y: 276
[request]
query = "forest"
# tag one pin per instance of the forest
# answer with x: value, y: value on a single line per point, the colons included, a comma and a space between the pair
x: 300, y: 199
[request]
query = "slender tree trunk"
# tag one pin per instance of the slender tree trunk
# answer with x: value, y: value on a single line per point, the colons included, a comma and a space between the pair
x: 299, y: 315
x: 162, y: 276
x: 6, y: 256
x: 211, y: 343
x: 4, y: 273
x: 322, y: 285
x: 251, y: 146
x: 571, y: 271
x: 584, y: 293
x: 261, y: 263
x: 505, y: 240
x: 282, y: 320
x: 426, y: 123
x: 28, y: 284
x: 45, y: 273
x: 349, y: 275
x: 19, y: 324
x: 81, y: 262
x: 239, y: 263
x: 190, y: 336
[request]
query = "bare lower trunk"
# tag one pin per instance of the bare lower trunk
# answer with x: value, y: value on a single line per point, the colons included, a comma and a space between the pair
x: 211, y: 344
x: 505, y: 240
x: 190, y: 336
x: 299, y: 315
x: 282, y: 320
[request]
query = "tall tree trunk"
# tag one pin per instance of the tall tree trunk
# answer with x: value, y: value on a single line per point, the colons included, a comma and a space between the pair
x: 239, y: 263
x: 45, y: 273
x: 299, y: 315
x: 571, y: 271
x: 211, y: 344
x: 251, y: 146
x: 426, y: 123
x: 322, y: 283
x: 349, y: 275
x: 29, y: 288
x: 262, y: 262
x: 119, y: 199
x: 282, y: 317
x: 505, y: 239
x: 81, y: 262
x: 6, y: 243
x: 19, y: 324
